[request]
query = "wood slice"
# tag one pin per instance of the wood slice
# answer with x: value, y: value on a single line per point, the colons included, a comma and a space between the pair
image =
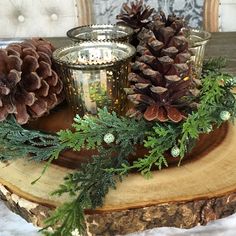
x: 195, y: 193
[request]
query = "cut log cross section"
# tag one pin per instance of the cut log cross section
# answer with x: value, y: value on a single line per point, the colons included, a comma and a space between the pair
x: 201, y: 190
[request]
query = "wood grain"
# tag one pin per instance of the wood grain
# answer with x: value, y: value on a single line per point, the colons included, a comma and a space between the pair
x: 223, y: 45
x: 85, y: 12
x: 211, y: 15
x: 197, y: 192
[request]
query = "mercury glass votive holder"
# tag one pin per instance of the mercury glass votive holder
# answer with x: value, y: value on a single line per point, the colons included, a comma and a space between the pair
x: 119, y: 33
x: 95, y: 75
x: 198, y: 40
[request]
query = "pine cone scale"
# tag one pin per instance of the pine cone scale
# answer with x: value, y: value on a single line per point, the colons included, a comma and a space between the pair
x: 14, y: 62
x: 13, y: 78
x: 21, y: 113
x: 151, y: 112
x: 174, y: 114
x: 30, y: 64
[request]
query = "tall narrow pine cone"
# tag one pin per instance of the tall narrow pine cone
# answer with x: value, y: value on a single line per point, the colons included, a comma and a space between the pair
x: 162, y: 87
x: 29, y: 87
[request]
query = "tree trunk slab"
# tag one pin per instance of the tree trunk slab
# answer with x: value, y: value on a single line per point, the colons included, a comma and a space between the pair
x: 197, y: 192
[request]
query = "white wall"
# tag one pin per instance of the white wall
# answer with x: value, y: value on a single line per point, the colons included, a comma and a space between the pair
x: 227, y: 15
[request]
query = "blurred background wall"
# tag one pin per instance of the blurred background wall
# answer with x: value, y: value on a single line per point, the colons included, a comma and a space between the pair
x: 27, y: 18
x: 191, y: 10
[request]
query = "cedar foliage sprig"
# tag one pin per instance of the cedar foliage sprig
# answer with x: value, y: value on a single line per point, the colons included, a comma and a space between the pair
x: 89, y: 185
x: 214, y: 65
x: 17, y: 142
x: 199, y: 122
x: 90, y: 131
x: 160, y: 139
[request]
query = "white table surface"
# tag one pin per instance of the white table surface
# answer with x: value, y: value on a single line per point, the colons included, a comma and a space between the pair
x: 13, y: 225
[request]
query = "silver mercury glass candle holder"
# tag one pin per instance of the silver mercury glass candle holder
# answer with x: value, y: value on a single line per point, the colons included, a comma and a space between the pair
x: 119, y: 33
x: 95, y: 75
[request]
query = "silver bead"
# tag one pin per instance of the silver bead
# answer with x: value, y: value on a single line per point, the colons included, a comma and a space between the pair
x: 209, y: 129
x: 109, y: 138
x: 175, y: 151
x: 225, y: 115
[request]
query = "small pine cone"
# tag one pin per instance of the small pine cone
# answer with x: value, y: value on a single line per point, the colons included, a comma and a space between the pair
x: 29, y: 87
x: 136, y: 15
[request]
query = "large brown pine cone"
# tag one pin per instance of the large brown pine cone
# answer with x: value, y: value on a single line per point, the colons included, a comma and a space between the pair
x: 162, y: 85
x: 29, y: 87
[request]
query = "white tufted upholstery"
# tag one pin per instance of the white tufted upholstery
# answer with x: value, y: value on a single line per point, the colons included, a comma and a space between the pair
x: 45, y: 18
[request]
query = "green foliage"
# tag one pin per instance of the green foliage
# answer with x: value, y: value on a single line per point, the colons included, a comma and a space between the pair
x: 90, y: 131
x: 214, y: 65
x: 199, y: 122
x: 160, y: 139
x: 68, y: 217
x: 17, y: 142
x: 215, y: 96
x: 92, y: 182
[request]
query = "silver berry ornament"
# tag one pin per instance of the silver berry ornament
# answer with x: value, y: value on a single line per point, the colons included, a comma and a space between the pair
x: 175, y: 151
x: 109, y: 138
x: 75, y: 232
x: 224, y: 115
x: 209, y: 129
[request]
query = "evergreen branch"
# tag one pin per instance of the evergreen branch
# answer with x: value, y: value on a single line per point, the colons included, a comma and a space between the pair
x: 214, y: 65
x: 92, y: 182
x: 17, y: 142
x: 214, y: 98
x: 90, y: 131
x: 160, y: 139
x: 68, y: 217
x: 198, y: 122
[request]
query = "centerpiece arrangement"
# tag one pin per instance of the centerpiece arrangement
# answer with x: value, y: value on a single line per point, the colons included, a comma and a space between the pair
x: 157, y: 100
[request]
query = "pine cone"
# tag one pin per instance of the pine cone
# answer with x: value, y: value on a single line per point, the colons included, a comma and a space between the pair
x: 162, y: 87
x: 136, y: 15
x: 29, y: 87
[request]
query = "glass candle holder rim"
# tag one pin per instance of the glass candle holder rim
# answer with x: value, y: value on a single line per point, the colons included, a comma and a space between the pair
x: 128, y: 30
x: 200, y: 41
x: 92, y: 66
